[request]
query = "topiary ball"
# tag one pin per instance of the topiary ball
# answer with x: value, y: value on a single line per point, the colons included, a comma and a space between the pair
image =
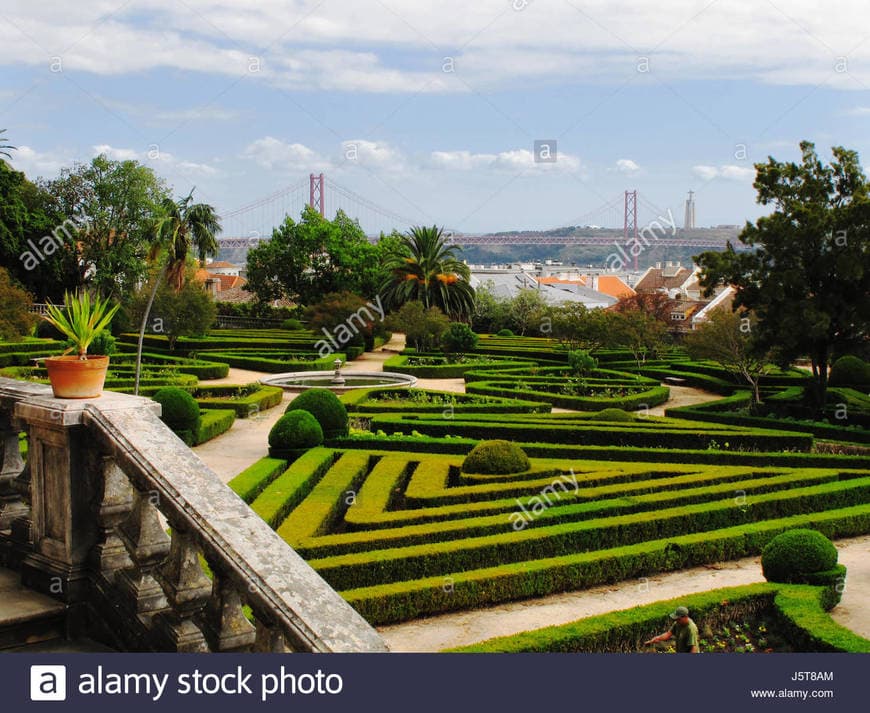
x: 612, y: 414
x: 850, y: 371
x: 792, y: 555
x: 495, y: 458
x: 504, y: 333
x: 295, y: 430
x: 326, y: 407
x: 179, y: 411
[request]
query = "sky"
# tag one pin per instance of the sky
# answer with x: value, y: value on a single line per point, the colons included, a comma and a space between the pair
x: 431, y: 110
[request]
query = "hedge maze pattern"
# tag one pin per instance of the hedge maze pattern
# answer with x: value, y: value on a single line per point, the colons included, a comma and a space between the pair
x: 403, y: 534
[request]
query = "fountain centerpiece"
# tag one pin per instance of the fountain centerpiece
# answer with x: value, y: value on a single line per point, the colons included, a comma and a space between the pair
x: 337, y: 381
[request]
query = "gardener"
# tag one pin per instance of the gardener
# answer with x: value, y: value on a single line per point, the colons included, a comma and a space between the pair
x: 683, y: 629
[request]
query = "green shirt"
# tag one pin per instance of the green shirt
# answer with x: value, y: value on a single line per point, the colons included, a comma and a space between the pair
x: 686, y: 636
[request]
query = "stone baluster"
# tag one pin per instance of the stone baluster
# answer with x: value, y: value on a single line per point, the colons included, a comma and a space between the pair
x: 12, y: 505
x: 148, y: 545
x: 109, y: 556
x: 226, y: 627
x: 270, y: 639
x: 187, y: 589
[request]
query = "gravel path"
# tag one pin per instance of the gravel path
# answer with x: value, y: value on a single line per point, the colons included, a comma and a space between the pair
x: 469, y: 627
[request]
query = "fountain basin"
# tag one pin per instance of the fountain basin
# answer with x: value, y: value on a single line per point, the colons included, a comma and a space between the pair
x: 300, y: 380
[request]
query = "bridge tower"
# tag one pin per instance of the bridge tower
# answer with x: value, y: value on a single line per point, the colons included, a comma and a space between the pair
x: 629, y: 226
x: 317, y: 196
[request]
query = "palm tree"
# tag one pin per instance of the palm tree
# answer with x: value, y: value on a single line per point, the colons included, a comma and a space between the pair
x: 4, y: 147
x: 425, y: 268
x: 180, y: 226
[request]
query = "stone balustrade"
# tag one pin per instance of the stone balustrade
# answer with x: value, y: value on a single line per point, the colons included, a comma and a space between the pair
x: 111, y: 513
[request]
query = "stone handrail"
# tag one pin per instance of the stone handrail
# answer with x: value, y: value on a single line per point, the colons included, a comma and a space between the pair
x: 86, y: 517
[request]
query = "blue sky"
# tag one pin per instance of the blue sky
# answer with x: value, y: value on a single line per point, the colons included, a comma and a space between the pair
x: 240, y: 99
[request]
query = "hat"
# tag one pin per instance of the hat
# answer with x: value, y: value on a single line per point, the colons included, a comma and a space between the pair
x: 679, y: 612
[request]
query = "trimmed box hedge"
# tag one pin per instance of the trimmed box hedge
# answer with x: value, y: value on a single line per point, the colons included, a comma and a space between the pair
x: 798, y: 609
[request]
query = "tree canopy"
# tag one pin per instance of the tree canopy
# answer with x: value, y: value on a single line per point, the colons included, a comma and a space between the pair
x: 423, y: 267
x: 108, y: 209
x: 306, y: 260
x: 807, y: 276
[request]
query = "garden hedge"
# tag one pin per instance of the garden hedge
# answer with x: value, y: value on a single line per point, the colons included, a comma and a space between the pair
x: 797, y: 609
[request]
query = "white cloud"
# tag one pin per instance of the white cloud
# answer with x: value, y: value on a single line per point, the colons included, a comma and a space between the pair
x: 859, y: 111
x: 373, y: 154
x: 271, y: 153
x: 400, y: 47
x: 627, y: 166
x: 729, y: 172
x: 37, y: 163
x: 156, y: 159
x: 512, y: 161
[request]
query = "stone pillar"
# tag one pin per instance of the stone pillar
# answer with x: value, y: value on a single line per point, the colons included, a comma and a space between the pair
x: 66, y: 485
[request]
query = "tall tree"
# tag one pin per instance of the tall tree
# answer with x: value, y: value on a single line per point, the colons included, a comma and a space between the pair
x: 37, y: 247
x: 109, y: 206
x: 425, y: 268
x: 306, y: 260
x: 180, y: 227
x: 657, y: 304
x: 577, y: 327
x: 641, y: 333
x: 808, y: 275
x: 728, y: 338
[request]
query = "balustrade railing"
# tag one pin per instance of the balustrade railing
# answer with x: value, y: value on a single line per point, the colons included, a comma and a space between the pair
x: 111, y: 513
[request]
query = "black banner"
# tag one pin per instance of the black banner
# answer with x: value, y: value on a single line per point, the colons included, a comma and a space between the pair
x: 433, y: 682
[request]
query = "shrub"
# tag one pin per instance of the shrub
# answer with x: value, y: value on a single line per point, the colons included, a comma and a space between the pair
x: 459, y: 339
x: 325, y: 406
x: 496, y: 458
x: 179, y: 411
x: 46, y: 330
x: 294, y: 431
x: 292, y: 325
x: 103, y: 344
x: 422, y: 327
x: 850, y: 371
x: 581, y: 362
x: 612, y: 414
x: 794, y: 554
x: 504, y: 333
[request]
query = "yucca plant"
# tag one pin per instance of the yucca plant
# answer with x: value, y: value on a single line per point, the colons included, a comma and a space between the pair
x: 81, y: 319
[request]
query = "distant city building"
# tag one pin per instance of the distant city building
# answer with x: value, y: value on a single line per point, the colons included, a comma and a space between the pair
x: 689, y: 219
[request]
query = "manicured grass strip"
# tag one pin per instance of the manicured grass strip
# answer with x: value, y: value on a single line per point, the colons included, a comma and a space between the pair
x: 291, y: 487
x: 410, y: 599
x: 390, y: 565
x: 711, y: 456
x: 328, y: 500
x: 430, y: 478
x: 592, y: 433
x: 253, y: 480
x: 342, y: 543
x: 386, y: 479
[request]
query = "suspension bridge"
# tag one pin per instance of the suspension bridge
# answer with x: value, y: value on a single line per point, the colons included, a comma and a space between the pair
x: 248, y: 225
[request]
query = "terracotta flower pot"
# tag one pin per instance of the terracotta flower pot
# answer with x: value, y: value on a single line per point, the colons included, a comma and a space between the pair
x: 74, y: 378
